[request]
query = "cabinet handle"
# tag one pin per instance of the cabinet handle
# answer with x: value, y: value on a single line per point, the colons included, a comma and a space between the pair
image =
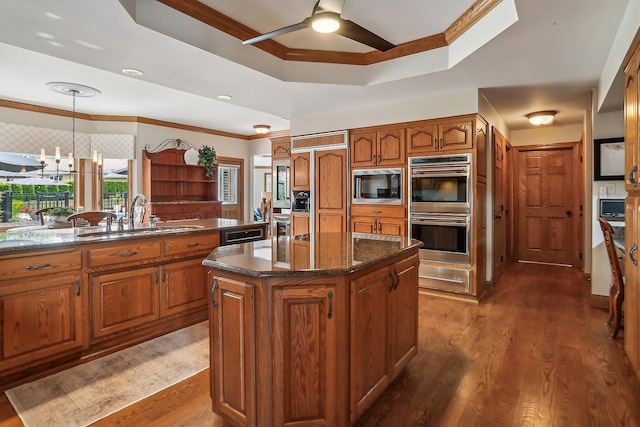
x: 77, y: 286
x: 378, y: 161
x: 164, y: 274
x: 128, y: 254
x: 330, y: 313
x: 157, y: 275
x: 193, y: 245
x: 213, y: 289
x: 441, y: 143
x: 37, y: 267
x: 633, y: 182
x: 633, y: 249
x: 397, y: 279
x: 393, y: 281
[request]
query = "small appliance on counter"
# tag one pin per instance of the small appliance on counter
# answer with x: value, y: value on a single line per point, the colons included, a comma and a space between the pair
x: 300, y: 201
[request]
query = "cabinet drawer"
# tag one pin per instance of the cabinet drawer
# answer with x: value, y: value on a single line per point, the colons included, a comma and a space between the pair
x: 40, y: 264
x: 125, y: 253
x: 192, y: 244
x: 376, y: 211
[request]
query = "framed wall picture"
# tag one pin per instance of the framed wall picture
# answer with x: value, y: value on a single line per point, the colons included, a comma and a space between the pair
x: 608, y: 159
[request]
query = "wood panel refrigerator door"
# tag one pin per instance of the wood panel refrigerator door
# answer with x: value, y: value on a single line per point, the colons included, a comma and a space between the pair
x: 499, y: 206
x: 545, y: 200
x: 305, y: 356
x: 331, y: 190
x: 300, y: 167
x: 232, y: 347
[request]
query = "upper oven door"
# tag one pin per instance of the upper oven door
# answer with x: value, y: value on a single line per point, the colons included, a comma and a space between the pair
x: 440, y: 189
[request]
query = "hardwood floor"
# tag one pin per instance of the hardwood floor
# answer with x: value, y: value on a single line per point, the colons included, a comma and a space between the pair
x: 533, y: 353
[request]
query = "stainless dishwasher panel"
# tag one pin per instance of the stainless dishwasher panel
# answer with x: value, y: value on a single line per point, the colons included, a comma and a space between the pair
x: 444, y: 278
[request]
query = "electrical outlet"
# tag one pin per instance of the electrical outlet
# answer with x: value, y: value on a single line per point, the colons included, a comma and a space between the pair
x: 611, y: 188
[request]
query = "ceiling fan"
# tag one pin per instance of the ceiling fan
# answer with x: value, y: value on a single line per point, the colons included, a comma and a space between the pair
x: 326, y: 21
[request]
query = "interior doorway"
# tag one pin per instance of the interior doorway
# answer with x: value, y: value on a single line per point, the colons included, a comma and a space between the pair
x: 547, y: 204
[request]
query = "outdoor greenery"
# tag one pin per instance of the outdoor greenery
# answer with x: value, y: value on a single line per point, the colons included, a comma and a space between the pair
x: 60, y: 211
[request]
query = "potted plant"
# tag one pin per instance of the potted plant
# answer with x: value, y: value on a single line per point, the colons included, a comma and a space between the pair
x: 208, y: 158
x: 60, y: 213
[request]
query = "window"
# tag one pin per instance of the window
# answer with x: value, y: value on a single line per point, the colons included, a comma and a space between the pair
x: 228, y: 184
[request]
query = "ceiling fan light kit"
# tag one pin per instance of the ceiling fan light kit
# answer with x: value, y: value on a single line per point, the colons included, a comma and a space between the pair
x: 541, y: 118
x: 324, y: 21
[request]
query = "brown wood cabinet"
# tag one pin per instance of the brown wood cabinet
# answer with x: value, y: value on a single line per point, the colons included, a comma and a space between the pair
x: 300, y: 166
x: 232, y: 336
x: 280, y: 147
x: 177, y: 190
x: 379, y: 349
x: 379, y: 219
x: 42, y: 317
x: 380, y: 148
x: 300, y: 223
x: 439, y: 136
x: 330, y: 190
x: 184, y: 287
x: 632, y: 210
x: 305, y: 348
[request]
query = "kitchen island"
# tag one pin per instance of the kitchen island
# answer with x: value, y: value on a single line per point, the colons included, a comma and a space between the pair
x: 310, y: 330
x: 69, y: 295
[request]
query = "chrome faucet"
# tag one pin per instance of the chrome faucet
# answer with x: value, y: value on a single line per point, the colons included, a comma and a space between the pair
x: 139, y: 198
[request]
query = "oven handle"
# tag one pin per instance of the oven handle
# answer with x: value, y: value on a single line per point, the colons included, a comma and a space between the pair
x: 446, y: 222
x: 459, y: 170
x: 443, y: 279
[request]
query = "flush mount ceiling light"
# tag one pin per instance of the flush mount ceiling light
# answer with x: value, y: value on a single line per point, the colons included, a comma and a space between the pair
x: 261, y: 129
x: 541, y: 118
x: 132, y: 72
x: 326, y: 22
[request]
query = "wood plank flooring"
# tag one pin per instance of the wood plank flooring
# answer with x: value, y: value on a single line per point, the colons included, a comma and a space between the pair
x: 533, y: 353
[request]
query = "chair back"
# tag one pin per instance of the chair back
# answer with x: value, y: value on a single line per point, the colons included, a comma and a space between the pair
x: 616, y: 271
x: 92, y: 217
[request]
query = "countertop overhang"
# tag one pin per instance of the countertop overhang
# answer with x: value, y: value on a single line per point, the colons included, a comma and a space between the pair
x: 308, y: 255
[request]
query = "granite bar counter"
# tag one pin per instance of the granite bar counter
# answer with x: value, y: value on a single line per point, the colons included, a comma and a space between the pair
x: 310, y: 328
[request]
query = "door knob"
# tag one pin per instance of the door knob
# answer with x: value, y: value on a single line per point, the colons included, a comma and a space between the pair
x: 568, y: 213
x: 497, y: 217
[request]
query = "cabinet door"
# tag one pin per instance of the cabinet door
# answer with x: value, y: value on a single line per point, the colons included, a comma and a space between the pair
x: 368, y: 333
x: 232, y: 343
x: 456, y: 136
x: 422, y: 140
x: 363, y: 225
x: 395, y: 227
x: 124, y: 300
x: 41, y: 318
x: 280, y: 147
x: 363, y: 149
x: 390, y: 147
x: 184, y: 287
x: 631, y: 136
x: 300, y: 163
x: 300, y: 223
x: 330, y: 192
x: 632, y: 275
x: 305, y: 356
x: 402, y: 307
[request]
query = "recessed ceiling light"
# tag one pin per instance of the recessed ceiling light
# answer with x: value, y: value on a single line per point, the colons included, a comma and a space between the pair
x: 224, y: 97
x: 132, y: 72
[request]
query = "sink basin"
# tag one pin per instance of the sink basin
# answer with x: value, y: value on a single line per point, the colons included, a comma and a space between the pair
x: 114, y: 234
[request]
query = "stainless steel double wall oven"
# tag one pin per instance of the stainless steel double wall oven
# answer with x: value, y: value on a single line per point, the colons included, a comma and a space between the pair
x: 440, y: 216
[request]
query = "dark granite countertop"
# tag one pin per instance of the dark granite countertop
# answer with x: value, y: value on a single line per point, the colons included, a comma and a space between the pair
x: 52, y: 236
x: 321, y: 253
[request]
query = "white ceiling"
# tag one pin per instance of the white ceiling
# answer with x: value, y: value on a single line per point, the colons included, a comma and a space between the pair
x: 549, y: 59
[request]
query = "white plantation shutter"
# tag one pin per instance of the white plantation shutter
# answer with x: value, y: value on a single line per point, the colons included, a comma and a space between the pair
x: 228, y: 183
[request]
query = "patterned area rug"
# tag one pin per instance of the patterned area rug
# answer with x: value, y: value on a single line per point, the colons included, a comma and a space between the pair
x: 87, y: 393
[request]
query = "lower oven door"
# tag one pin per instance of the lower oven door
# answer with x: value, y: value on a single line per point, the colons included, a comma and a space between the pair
x: 446, y: 236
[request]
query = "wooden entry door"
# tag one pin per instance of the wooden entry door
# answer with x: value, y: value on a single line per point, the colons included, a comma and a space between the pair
x: 546, y: 190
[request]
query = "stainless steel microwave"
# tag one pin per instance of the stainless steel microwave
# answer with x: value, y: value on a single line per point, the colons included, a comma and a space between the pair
x: 378, y: 186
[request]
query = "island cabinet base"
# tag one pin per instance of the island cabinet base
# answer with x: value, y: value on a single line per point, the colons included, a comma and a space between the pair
x: 310, y: 350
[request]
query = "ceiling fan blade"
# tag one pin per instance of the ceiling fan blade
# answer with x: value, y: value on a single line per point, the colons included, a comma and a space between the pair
x: 291, y: 28
x: 353, y: 31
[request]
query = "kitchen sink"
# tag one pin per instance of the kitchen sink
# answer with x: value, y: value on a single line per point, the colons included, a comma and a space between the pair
x: 158, y: 229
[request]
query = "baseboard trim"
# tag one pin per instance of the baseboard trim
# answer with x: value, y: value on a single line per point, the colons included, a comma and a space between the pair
x: 600, y: 301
